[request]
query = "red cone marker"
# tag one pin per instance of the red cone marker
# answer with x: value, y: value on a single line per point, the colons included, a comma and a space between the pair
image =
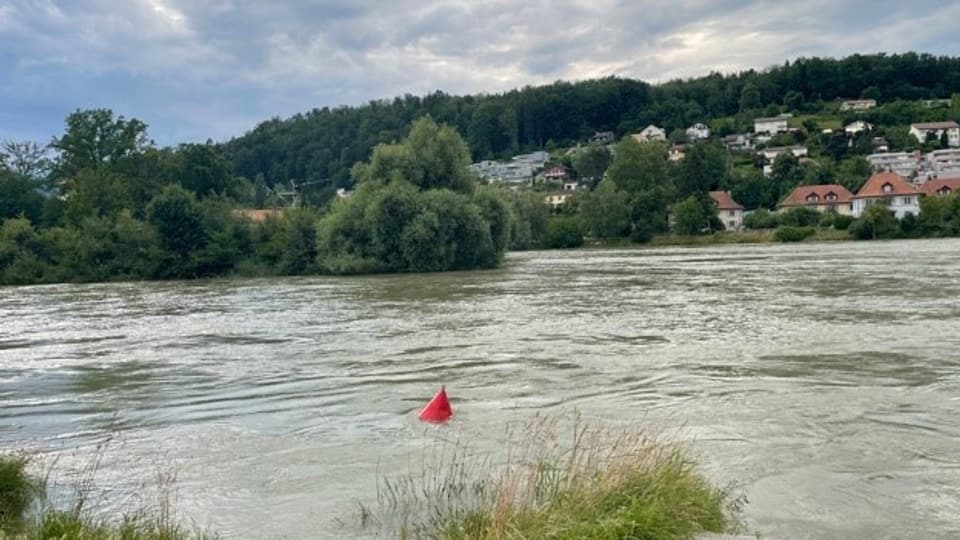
x: 438, y: 410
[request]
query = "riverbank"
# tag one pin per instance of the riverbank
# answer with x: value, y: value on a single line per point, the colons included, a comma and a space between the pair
x: 761, y: 236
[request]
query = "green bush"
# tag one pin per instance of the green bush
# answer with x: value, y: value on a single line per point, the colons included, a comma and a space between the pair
x: 564, y: 232
x: 761, y: 219
x: 17, y: 490
x: 801, y: 217
x: 841, y: 222
x: 787, y: 233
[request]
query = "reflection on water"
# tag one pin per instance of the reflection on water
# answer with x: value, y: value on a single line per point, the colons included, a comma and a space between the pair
x: 823, y: 378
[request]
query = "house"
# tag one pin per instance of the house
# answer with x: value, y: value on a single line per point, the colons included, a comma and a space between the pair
x: 941, y: 187
x: 602, y: 137
x: 923, y: 130
x: 858, y: 104
x: 677, y: 152
x: 856, y: 127
x: 891, y: 188
x: 770, y: 155
x: 903, y: 163
x: 570, y: 185
x: 826, y: 198
x: 651, y: 133
x: 729, y: 211
x: 770, y: 126
x: 698, y: 132
x: 558, y: 198
x: 556, y: 174
x: 739, y: 141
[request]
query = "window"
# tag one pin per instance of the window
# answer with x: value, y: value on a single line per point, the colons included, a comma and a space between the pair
x: 887, y: 188
x: 732, y: 213
x: 813, y: 197
x: 831, y: 196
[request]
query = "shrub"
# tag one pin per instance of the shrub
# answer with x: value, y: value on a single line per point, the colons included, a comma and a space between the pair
x: 17, y: 490
x: 564, y: 232
x: 761, y: 219
x: 801, y: 217
x: 841, y: 222
x: 787, y: 233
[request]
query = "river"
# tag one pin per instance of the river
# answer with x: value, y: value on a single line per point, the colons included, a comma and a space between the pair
x: 823, y: 378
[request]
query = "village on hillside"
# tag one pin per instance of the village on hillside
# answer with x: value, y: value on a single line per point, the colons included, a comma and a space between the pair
x: 897, y: 179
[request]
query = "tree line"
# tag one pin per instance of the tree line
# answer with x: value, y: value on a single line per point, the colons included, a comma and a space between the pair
x: 324, y: 143
x: 102, y: 202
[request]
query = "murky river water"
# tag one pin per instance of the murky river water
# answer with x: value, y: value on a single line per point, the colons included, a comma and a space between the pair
x: 823, y: 378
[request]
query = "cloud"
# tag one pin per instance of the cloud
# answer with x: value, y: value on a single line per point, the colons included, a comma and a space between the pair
x: 196, y: 69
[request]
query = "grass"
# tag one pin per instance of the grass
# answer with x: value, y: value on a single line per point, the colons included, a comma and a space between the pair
x: 824, y: 121
x: 26, y: 514
x: 585, y: 482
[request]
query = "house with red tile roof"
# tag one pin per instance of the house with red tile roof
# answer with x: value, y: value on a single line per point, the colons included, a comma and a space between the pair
x: 941, y: 187
x: 891, y: 189
x: 729, y: 211
x: 825, y: 198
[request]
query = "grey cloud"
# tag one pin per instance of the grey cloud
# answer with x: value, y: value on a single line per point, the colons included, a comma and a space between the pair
x: 205, y: 67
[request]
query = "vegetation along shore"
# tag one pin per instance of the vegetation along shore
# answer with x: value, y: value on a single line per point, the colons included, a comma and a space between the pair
x: 863, y: 147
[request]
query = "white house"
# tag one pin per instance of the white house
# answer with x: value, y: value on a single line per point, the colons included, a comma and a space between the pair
x: 651, y: 133
x: 944, y: 162
x: 770, y: 155
x: 858, y: 104
x: 729, y: 211
x: 856, y: 127
x: 770, y: 126
x: 891, y: 188
x: 923, y: 130
x: 698, y: 132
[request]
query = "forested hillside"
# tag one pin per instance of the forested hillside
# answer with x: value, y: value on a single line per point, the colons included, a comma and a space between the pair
x: 325, y: 143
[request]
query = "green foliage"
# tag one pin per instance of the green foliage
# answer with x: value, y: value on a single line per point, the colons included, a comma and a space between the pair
x: 940, y: 216
x: 606, y: 211
x: 695, y: 215
x: 17, y: 490
x: 801, y: 217
x: 638, y: 166
x: 564, y: 232
x: 591, y: 162
x: 791, y: 233
x: 202, y: 169
x: 761, y: 219
x: 416, y: 210
x: 842, y: 222
x: 703, y: 169
x: 178, y: 219
x: 96, y: 138
x: 24, y: 254
x: 19, y: 197
x: 528, y: 226
x: 876, y: 222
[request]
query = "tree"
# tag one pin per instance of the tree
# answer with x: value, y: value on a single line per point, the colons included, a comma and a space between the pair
x: 591, y: 162
x: 26, y: 159
x: 793, y: 100
x: 202, y: 169
x: 96, y: 137
x: 178, y: 220
x: 695, y: 214
x: 637, y: 167
x: 564, y: 232
x: 19, y: 197
x: 877, y: 221
x: 703, y: 169
x: 606, y: 211
x: 750, y: 97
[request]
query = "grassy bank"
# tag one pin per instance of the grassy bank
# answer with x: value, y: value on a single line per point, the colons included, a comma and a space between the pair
x: 26, y: 513
x: 588, y: 482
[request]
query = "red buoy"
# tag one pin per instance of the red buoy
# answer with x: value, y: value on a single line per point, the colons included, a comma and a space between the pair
x: 438, y: 410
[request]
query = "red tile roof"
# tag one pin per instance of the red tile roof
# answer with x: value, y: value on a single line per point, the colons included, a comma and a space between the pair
x: 934, y: 187
x: 258, y: 216
x: 724, y: 201
x: 802, y: 195
x: 874, y: 187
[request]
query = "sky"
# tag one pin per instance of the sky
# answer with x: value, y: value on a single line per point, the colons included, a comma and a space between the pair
x: 199, y: 69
